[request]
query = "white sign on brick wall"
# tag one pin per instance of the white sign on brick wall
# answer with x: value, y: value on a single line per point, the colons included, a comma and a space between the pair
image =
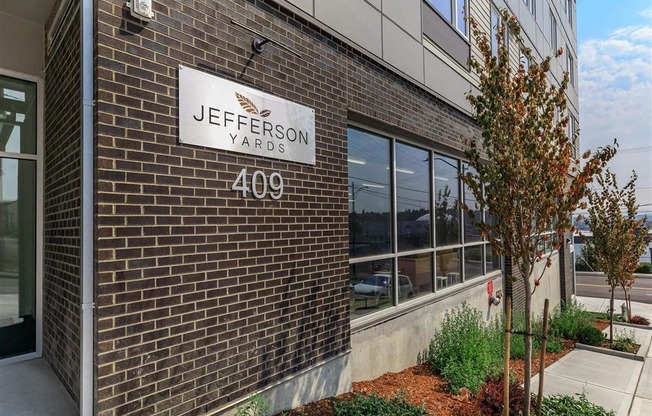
x: 222, y: 114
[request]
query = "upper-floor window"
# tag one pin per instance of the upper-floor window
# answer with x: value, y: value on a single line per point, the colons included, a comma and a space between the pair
x: 532, y: 6
x: 495, y: 27
x: 568, y: 8
x: 454, y: 11
x: 570, y: 66
x: 572, y: 135
x: 553, y: 31
x: 525, y: 61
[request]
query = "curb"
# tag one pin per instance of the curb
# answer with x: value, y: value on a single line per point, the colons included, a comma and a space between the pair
x: 648, y: 327
x: 607, y: 351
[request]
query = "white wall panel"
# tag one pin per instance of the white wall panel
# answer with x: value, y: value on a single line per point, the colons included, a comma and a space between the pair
x: 402, y: 51
x: 406, y: 14
x: 355, y: 19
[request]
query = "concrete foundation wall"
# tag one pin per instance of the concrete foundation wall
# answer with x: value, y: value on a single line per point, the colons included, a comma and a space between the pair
x: 325, y: 379
x: 402, y: 342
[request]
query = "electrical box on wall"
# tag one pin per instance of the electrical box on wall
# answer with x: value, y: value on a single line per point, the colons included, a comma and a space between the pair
x: 141, y: 9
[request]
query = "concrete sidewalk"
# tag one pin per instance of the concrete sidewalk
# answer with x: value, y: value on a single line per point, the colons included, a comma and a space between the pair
x: 619, y: 383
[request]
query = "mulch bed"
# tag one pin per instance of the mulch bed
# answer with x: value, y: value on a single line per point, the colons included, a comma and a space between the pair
x: 422, y: 387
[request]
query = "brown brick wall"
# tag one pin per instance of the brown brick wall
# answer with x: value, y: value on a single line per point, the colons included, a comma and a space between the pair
x: 62, y: 186
x: 204, y: 296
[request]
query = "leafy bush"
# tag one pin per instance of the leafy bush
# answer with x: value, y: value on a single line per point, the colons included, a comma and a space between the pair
x: 623, y: 341
x: 491, y: 397
x: 554, y: 344
x: 590, y: 335
x: 644, y: 268
x: 256, y: 406
x: 569, y: 320
x: 374, y: 405
x: 564, y: 405
x: 639, y: 320
x: 517, y: 341
x: 464, y: 350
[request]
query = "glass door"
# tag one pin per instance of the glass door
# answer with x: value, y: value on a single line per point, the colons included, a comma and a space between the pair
x: 18, y: 216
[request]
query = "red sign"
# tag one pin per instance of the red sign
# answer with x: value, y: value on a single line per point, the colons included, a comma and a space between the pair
x: 490, y: 287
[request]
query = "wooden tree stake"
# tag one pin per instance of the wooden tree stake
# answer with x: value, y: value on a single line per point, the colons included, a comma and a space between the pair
x: 542, y: 360
x: 508, y: 328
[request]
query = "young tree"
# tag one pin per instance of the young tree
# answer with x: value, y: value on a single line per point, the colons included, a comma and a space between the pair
x: 619, y: 239
x: 525, y: 173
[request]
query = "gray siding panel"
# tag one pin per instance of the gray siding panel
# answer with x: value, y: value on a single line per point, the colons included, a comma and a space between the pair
x: 445, y: 36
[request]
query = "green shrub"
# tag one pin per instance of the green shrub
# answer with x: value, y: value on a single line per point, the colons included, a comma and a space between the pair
x: 623, y: 341
x: 564, y: 405
x: 464, y: 350
x: 374, y: 405
x: 554, y: 344
x: 517, y: 341
x: 590, y: 335
x: 569, y: 320
x: 256, y: 406
x: 644, y: 268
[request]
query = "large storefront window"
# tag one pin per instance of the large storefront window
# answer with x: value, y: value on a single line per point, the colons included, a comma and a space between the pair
x: 412, y: 197
x: 447, y: 198
x: 18, y: 216
x: 371, y: 286
x: 369, y: 198
x: 415, y: 273
x: 407, y: 235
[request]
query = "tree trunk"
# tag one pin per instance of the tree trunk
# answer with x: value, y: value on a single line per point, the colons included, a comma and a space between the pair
x: 611, y: 315
x: 528, y: 348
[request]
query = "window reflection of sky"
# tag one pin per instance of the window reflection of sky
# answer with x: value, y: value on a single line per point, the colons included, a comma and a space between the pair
x: 413, y: 197
x: 369, y: 178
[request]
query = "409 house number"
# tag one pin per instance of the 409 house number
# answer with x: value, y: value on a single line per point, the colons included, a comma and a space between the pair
x: 261, y: 186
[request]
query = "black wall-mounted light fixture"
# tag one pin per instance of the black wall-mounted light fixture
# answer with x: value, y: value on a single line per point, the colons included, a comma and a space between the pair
x: 258, y: 44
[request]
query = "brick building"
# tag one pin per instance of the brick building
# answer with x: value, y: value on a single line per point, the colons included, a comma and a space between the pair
x: 194, y: 221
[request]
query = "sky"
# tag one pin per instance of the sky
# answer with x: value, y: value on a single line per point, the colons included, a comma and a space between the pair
x: 614, y: 39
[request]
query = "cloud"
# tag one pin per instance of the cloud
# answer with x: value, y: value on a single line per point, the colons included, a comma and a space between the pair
x: 615, y: 82
x: 642, y: 33
x: 646, y: 13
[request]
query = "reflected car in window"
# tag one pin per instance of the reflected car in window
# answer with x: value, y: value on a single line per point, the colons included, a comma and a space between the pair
x: 380, y: 285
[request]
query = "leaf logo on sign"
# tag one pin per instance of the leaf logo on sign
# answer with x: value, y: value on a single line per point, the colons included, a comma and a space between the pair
x: 250, y: 107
